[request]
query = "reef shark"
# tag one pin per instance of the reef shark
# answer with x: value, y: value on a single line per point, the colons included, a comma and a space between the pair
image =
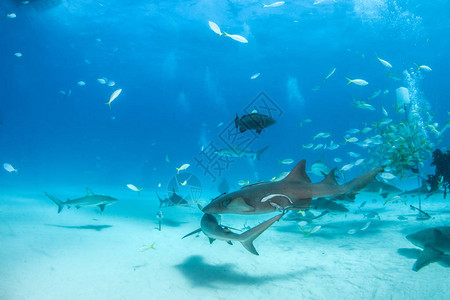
x: 381, y: 188
x: 238, y: 153
x: 435, y: 243
x: 89, y: 200
x: 293, y: 192
x: 211, y: 227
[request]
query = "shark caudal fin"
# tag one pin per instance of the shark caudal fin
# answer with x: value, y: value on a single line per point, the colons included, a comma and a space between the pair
x: 258, y: 154
x: 352, y: 187
x: 249, y: 236
x: 161, y: 202
x: 236, y: 121
x: 57, y: 202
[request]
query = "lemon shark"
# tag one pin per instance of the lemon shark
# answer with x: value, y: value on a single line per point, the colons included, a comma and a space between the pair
x: 293, y: 192
x: 89, y: 200
x: 435, y: 243
x: 212, y: 228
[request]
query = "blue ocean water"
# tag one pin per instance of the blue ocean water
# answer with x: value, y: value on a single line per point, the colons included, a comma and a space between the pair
x: 183, y: 85
x: 180, y: 79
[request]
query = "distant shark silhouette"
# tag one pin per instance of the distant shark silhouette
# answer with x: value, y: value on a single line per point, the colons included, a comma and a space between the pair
x: 423, y: 190
x: 293, y: 192
x: 381, y: 188
x: 211, y: 227
x: 174, y: 200
x: 435, y: 243
x: 89, y: 200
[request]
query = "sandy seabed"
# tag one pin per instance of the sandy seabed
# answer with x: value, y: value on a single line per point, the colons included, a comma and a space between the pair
x: 85, y: 254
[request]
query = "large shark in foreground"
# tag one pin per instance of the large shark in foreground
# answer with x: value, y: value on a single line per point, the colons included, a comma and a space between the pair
x: 293, y: 192
x: 435, y: 243
x: 89, y: 200
x: 211, y: 227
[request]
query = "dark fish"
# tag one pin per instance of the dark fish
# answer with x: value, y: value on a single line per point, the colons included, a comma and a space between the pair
x: 253, y: 121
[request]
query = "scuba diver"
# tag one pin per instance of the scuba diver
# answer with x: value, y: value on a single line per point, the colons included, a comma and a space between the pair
x: 442, y: 174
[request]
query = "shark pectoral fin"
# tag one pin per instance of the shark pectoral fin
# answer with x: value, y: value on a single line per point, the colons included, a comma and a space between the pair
x: 211, y: 240
x: 240, y: 204
x: 229, y: 242
x: 102, y: 207
x: 249, y: 236
x: 193, y: 232
x: 427, y: 256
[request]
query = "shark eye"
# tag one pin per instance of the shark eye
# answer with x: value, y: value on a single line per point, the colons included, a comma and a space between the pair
x: 226, y: 202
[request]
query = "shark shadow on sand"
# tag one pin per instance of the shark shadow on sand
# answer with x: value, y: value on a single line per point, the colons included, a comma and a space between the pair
x: 220, y: 276
x: 88, y: 227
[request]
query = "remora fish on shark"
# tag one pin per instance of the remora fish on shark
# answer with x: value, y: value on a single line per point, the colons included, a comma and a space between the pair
x: 211, y: 227
x: 293, y: 192
x: 89, y: 200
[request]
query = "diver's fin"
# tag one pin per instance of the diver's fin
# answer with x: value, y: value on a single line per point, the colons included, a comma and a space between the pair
x: 193, y: 232
x: 427, y: 256
x: 249, y: 236
x: 57, y: 202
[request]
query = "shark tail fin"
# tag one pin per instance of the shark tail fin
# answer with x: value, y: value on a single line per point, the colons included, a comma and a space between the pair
x: 249, y: 236
x: 57, y: 202
x: 236, y: 121
x: 258, y: 154
x: 354, y: 186
x: 160, y: 200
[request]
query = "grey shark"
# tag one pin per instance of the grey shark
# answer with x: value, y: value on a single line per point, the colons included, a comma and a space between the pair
x: 174, y: 200
x: 435, y: 243
x: 423, y: 190
x: 211, y: 227
x: 238, y: 153
x: 381, y: 188
x: 89, y: 200
x: 293, y: 192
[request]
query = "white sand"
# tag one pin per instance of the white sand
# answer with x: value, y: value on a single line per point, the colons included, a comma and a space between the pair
x: 39, y: 260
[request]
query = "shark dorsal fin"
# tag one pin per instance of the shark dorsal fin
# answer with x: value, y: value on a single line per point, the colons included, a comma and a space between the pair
x: 330, y: 178
x: 89, y: 192
x: 298, y: 173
